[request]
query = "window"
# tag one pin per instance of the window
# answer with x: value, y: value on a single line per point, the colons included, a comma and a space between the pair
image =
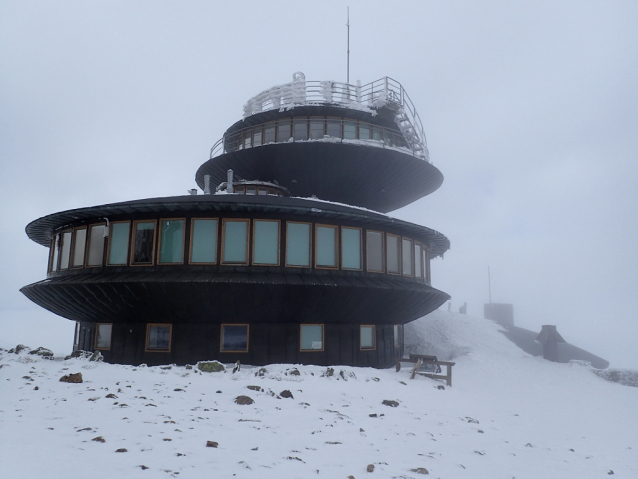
x: 316, y: 128
x: 418, y: 261
x: 350, y: 130
x: 377, y: 134
x: 171, y: 241
x: 250, y: 190
x: 79, y: 245
x: 262, y: 190
x: 283, y: 130
x: 333, y: 127
x: 393, y: 252
x: 55, y: 245
x: 311, y: 337
x: 407, y: 258
x: 143, y: 244
x: 257, y: 132
x: 367, y: 335
x: 351, y: 248
x: 118, y: 243
x: 326, y: 246
x: 298, y: 244
x: 374, y: 251
x: 65, y: 249
x: 96, y: 245
x: 103, y: 336
x: 234, y: 338
x: 235, y: 241
x: 266, y: 242
x: 269, y: 133
x: 158, y: 337
x: 204, y: 241
x: 364, y: 131
x: 426, y: 264
x: 300, y: 129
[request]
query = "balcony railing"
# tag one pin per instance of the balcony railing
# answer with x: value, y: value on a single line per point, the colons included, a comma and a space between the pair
x: 385, y: 92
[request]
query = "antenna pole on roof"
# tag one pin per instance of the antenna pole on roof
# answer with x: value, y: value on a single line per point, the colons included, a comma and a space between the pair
x: 489, y: 283
x: 348, y: 25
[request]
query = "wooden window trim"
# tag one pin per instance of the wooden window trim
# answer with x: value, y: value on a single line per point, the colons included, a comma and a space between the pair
x: 88, y: 245
x: 97, y: 327
x: 360, y: 248
x: 159, y: 239
x: 323, y: 338
x: 411, y: 250
x: 223, y: 241
x: 192, y: 236
x: 420, y: 259
x: 337, y: 244
x: 255, y: 220
x: 51, y: 254
x: 68, y: 266
x: 73, y: 244
x: 170, y: 338
x: 132, y: 243
x: 310, y: 246
x: 374, y: 337
x: 108, y: 249
x: 383, y: 258
x: 400, y: 257
x: 221, y: 339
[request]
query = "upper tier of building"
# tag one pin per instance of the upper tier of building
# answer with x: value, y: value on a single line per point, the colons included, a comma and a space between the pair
x: 361, y: 145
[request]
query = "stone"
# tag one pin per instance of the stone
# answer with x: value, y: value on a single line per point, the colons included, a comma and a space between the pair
x: 121, y: 450
x: 286, y: 394
x: 210, y: 366
x: 389, y: 402
x: 43, y: 352
x: 420, y: 470
x: 212, y: 444
x: 255, y: 388
x: 294, y: 372
x: 72, y: 378
x: 243, y: 400
x: 370, y: 468
x: 98, y: 439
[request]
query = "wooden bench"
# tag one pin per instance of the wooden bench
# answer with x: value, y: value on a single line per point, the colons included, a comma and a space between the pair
x: 420, y: 360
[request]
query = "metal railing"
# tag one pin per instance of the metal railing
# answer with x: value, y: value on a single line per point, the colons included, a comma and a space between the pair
x: 385, y: 92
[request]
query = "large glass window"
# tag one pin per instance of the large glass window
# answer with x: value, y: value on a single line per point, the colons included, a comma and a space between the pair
x: 326, y: 246
x: 283, y: 130
x: 257, y: 132
x: 426, y: 264
x: 55, y: 253
x: 235, y: 241
x: 350, y: 130
x: 158, y: 337
x: 96, y: 245
x: 407, y: 259
x: 393, y: 253
x: 311, y: 337
x: 234, y: 338
x: 364, y: 131
x: 143, y: 246
x: 103, y: 336
x: 367, y: 335
x: 171, y: 241
x: 79, y: 245
x: 351, y: 248
x: 418, y: 261
x: 65, y: 249
x: 266, y: 242
x: 374, y: 251
x: 316, y: 128
x: 333, y: 127
x: 118, y: 243
x: 269, y: 133
x: 204, y: 241
x: 300, y: 129
x: 298, y: 244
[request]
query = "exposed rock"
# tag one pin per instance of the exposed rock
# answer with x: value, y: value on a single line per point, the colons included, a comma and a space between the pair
x: 420, y: 470
x: 98, y: 439
x: 212, y: 444
x: 43, y: 352
x: 286, y: 394
x: 262, y: 372
x: 294, y: 372
x: 111, y: 396
x: 243, y: 400
x: 370, y: 468
x: 210, y: 366
x: 255, y: 388
x: 72, y: 378
x: 121, y: 450
x: 143, y: 467
x: 389, y: 402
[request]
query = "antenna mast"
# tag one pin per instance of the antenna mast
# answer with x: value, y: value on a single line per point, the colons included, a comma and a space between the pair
x: 348, y: 25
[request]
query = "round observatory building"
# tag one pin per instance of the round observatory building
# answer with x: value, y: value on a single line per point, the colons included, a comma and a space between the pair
x: 287, y: 256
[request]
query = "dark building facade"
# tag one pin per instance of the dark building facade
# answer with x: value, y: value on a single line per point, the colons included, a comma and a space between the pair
x: 287, y: 257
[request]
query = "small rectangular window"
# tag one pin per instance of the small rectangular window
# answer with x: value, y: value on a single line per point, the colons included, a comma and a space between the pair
x: 96, y: 245
x: 351, y: 248
x: 234, y: 338
x: 326, y: 251
x: 300, y: 129
x: 55, y: 244
x: 333, y: 127
x: 79, y: 247
x: 250, y: 190
x: 247, y: 139
x: 257, y: 132
x: 235, y: 241
x: 298, y: 244
x: 118, y: 243
x: 158, y: 337
x: 103, y: 335
x: 407, y: 258
x: 393, y: 253
x: 262, y: 190
x: 350, y: 130
x: 374, y: 251
x: 266, y: 242
x: 364, y: 131
x: 317, y: 128
x: 311, y: 337
x: 143, y: 244
x: 418, y: 261
x: 171, y: 241
x: 65, y: 249
x: 204, y: 241
x: 283, y: 131
x: 367, y: 334
x: 269, y: 132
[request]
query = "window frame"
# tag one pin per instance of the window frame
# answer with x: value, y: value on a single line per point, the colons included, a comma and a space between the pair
x: 383, y: 246
x: 410, y: 250
x: 310, y: 246
x: 337, y: 258
x: 159, y: 240
x: 74, y: 245
x: 399, y: 254
x: 255, y: 220
x: 170, y: 338
x: 192, y: 237
x: 223, y: 241
x: 374, y: 337
x: 128, y: 243
x: 88, y: 246
x: 419, y: 260
x: 360, y: 268
x: 132, y: 235
x: 95, y: 343
x: 323, y: 336
x: 221, y: 338
x: 62, y: 243
x: 54, y: 254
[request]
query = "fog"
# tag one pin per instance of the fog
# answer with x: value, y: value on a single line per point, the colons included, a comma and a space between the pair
x: 530, y: 111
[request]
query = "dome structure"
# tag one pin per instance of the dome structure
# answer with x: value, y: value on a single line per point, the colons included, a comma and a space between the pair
x: 287, y: 257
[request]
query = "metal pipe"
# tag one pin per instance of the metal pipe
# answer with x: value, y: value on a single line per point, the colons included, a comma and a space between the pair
x: 229, y: 182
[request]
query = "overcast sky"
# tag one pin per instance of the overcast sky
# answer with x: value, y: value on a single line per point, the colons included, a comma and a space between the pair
x: 530, y: 111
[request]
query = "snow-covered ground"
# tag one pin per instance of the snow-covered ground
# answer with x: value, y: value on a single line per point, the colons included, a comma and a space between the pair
x: 508, y: 415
